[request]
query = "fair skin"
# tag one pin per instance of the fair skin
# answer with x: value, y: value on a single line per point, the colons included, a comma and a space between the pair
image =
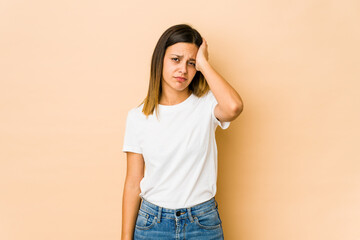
x: 131, y: 199
x: 179, y: 61
x: 183, y: 60
x: 190, y: 59
x: 230, y: 104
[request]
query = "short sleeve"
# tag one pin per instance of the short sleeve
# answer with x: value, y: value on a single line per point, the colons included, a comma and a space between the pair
x: 213, y: 103
x: 131, y: 139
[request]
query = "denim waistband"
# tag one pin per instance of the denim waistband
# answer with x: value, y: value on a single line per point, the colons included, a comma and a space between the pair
x: 179, y: 213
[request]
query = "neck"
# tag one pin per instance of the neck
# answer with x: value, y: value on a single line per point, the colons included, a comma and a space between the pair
x: 174, y: 98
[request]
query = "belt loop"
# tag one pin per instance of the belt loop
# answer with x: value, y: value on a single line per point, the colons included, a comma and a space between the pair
x: 159, y: 214
x: 190, y: 215
x: 216, y: 204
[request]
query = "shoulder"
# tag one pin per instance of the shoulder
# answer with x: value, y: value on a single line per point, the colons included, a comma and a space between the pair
x: 208, y: 96
x: 136, y: 112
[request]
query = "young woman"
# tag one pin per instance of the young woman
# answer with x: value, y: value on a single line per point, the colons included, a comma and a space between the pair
x: 171, y: 135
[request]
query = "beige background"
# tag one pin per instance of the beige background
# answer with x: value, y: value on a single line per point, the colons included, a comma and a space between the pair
x: 70, y: 70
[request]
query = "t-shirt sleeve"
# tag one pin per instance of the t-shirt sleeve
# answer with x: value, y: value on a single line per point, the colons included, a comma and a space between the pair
x: 131, y: 137
x: 213, y: 103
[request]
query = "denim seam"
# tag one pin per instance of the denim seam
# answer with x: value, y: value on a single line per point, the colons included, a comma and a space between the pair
x: 145, y: 214
x: 154, y: 214
x: 204, y: 212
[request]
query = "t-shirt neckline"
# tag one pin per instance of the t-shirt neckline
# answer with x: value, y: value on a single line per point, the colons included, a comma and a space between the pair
x: 178, y: 105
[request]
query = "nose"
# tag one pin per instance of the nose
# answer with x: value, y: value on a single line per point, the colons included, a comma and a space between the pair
x: 183, y: 68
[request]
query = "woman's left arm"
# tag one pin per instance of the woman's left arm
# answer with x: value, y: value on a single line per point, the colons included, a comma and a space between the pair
x: 230, y: 104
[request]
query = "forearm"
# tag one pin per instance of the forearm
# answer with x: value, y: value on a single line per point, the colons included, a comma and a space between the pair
x: 226, y: 96
x: 130, y: 208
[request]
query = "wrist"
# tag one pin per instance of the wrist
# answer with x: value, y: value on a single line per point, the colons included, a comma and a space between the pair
x: 203, y: 66
x: 126, y: 237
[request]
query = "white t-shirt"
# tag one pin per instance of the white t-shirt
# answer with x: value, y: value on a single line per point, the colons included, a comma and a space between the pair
x: 179, y: 151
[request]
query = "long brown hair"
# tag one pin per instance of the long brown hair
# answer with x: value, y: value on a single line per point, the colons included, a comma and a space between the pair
x: 174, y: 34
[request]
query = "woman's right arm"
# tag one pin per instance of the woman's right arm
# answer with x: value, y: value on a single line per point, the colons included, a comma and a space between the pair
x: 131, y: 198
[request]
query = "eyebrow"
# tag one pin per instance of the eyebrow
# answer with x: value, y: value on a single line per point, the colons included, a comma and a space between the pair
x: 182, y: 56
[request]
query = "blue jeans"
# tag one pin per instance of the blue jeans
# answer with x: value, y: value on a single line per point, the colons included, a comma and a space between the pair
x: 199, y: 222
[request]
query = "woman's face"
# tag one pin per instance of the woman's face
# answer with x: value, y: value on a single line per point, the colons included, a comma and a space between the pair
x: 179, y: 61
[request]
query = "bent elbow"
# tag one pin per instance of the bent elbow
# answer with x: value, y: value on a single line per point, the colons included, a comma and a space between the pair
x: 238, y: 109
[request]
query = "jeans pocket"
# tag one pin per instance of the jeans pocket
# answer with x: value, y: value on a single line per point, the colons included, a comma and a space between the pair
x: 145, y: 220
x: 209, y: 220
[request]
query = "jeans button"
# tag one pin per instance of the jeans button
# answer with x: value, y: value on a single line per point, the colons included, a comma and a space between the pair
x: 178, y: 213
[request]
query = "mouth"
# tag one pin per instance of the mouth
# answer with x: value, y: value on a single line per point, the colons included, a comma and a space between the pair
x: 181, y: 79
